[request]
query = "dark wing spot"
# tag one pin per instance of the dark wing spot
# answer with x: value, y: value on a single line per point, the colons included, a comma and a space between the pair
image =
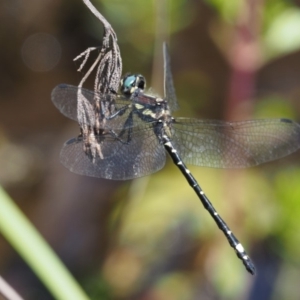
x: 71, y: 141
x: 62, y: 86
x: 286, y: 120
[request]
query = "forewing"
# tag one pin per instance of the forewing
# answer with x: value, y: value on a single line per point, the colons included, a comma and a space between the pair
x: 169, y: 89
x: 237, y: 144
x: 79, y: 104
x: 64, y: 97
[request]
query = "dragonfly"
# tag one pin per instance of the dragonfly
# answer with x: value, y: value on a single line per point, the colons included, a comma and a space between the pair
x: 129, y: 133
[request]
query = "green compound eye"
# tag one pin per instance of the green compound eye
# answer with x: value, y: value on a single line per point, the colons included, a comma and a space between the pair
x: 132, y: 82
x: 129, y: 82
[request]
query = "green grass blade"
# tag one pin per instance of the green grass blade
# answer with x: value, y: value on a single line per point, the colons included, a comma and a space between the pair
x: 25, y: 239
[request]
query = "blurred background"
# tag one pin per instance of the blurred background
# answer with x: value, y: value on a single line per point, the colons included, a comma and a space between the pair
x: 150, y: 238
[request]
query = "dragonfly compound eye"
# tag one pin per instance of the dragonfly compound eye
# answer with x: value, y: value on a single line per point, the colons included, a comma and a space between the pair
x: 132, y: 82
x: 140, y: 82
x: 127, y: 84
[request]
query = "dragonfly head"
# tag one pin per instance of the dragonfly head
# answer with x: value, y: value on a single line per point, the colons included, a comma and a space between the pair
x: 132, y: 82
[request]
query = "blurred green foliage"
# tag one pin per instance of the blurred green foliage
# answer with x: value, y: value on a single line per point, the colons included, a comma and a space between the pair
x: 280, y: 22
x: 157, y: 241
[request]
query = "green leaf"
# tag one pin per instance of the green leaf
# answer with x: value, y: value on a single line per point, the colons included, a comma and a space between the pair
x: 283, y: 34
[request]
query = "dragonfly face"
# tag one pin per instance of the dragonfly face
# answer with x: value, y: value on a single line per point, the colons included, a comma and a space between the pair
x: 131, y: 82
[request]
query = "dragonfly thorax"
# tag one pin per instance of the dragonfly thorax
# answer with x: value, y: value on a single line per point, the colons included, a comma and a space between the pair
x: 147, y: 106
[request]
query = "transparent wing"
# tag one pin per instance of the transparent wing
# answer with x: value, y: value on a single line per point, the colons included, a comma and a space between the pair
x: 237, y: 144
x: 65, y: 98
x: 120, y: 161
x: 169, y: 89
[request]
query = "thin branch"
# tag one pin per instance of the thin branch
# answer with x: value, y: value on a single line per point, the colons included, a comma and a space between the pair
x: 108, y: 80
x: 108, y: 67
